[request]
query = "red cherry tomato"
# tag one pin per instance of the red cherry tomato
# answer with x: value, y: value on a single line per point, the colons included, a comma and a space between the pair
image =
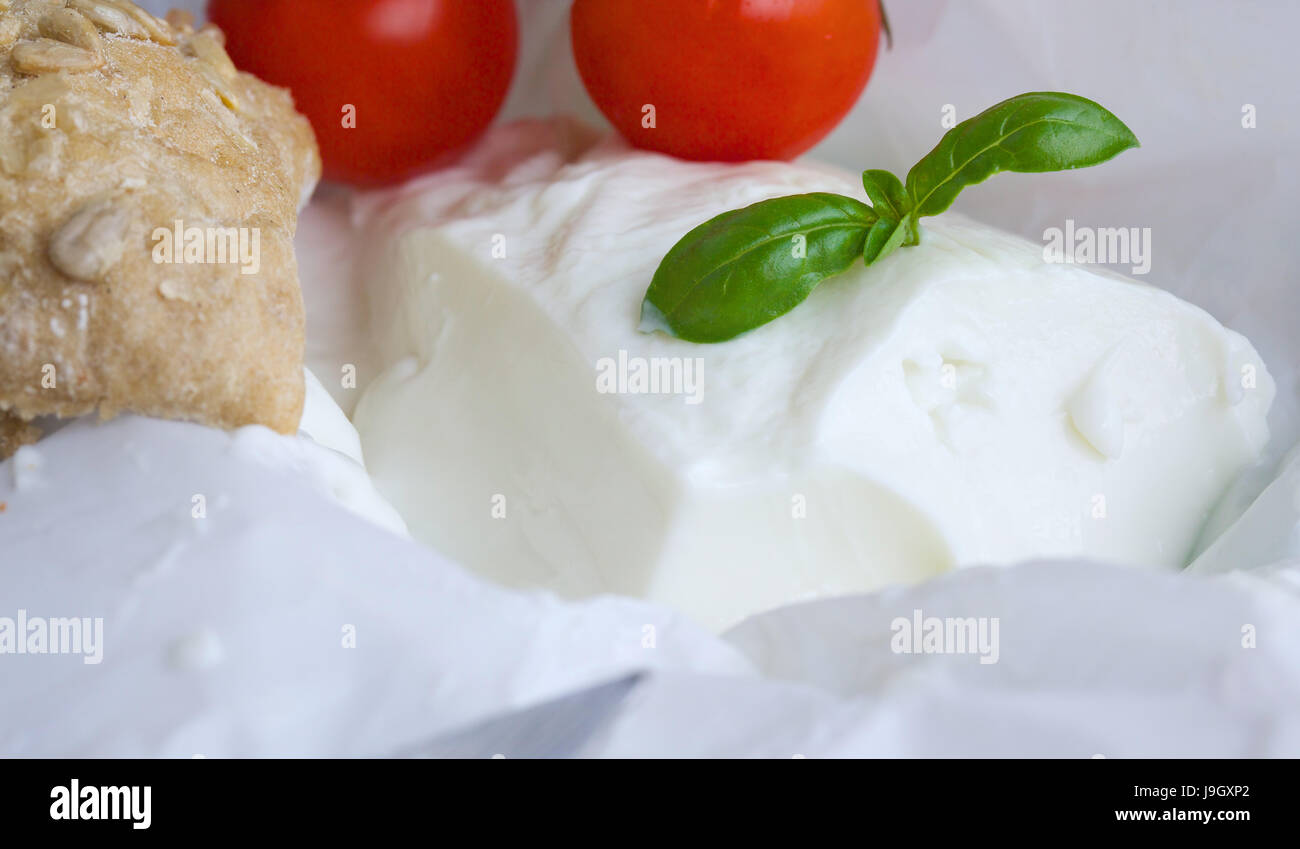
x: 425, y: 76
x: 728, y: 80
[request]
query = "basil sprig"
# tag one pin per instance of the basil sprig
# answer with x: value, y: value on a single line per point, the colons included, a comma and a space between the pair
x: 746, y: 267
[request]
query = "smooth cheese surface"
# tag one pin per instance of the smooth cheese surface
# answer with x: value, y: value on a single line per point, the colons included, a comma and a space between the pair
x: 961, y: 402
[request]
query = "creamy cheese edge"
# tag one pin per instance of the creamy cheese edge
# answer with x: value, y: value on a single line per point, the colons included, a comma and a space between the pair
x: 961, y: 402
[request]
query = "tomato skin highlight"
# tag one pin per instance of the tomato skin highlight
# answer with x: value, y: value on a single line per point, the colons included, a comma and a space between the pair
x: 426, y: 77
x: 729, y: 80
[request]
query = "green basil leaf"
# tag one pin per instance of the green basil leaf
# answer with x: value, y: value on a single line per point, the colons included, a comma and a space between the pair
x: 885, y: 237
x: 744, y: 268
x: 1040, y: 131
x: 888, y: 197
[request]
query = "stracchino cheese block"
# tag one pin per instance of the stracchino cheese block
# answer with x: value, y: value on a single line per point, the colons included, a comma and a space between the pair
x: 960, y: 402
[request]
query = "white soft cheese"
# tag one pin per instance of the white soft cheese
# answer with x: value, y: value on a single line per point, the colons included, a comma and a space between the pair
x: 960, y: 402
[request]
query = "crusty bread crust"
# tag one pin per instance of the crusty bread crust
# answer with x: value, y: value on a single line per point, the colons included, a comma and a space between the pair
x: 14, y: 434
x: 113, y: 124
